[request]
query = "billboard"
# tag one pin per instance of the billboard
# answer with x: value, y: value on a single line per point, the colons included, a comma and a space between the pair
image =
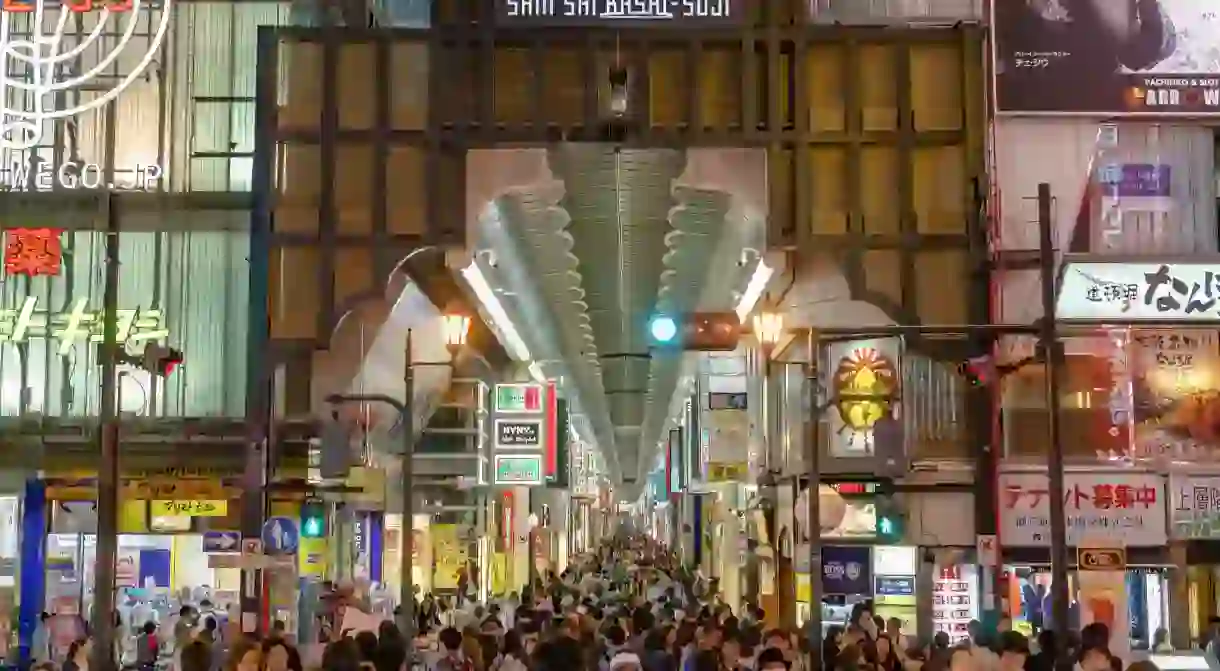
x: 1106, y: 57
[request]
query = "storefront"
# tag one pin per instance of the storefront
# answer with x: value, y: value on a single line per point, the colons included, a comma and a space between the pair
x: 1125, y: 509
x: 1194, y: 523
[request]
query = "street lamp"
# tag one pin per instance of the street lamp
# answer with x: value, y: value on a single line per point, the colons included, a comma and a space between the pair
x: 768, y: 328
x: 457, y: 329
x: 532, y: 550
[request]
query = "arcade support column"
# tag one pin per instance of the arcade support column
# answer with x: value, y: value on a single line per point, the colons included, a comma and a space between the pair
x: 33, y: 567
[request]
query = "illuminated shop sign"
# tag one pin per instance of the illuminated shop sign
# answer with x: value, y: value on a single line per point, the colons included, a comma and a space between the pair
x: 658, y: 13
x: 41, y: 47
x: 78, y: 325
x: 1132, y: 292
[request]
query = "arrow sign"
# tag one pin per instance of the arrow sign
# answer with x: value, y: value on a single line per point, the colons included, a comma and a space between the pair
x: 221, y: 541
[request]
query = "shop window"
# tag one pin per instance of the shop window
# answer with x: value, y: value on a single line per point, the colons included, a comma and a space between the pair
x: 1138, y: 393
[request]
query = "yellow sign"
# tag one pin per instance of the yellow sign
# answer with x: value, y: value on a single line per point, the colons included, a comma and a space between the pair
x: 311, y: 557
x: 729, y: 471
x: 190, y: 508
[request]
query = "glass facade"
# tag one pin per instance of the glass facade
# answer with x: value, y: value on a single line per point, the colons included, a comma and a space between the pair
x: 186, y: 289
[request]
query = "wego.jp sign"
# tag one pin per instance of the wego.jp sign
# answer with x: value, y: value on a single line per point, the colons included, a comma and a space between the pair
x: 34, y: 48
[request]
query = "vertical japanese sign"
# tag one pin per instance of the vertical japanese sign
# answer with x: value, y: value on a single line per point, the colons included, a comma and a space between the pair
x: 1122, y: 508
x: 865, y: 382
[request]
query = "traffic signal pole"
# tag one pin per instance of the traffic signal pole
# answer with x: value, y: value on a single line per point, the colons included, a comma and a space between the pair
x: 1046, y: 329
x: 107, y: 550
x: 1052, y: 350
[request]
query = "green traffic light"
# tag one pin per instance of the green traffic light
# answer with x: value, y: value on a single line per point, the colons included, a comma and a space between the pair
x: 311, y: 527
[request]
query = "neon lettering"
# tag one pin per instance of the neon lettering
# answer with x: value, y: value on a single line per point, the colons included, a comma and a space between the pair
x: 26, y: 99
x: 78, y: 325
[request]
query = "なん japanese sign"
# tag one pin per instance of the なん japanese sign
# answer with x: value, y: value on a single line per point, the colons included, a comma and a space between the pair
x: 1123, y: 292
x: 1124, y: 507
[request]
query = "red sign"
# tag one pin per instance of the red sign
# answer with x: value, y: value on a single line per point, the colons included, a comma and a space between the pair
x: 551, y: 451
x: 1098, y: 497
x: 32, y: 251
x: 76, y: 6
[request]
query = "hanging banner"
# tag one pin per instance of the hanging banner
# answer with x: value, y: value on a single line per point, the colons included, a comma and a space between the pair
x: 1104, y: 57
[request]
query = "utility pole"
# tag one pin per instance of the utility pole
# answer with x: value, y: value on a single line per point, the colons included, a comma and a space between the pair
x: 102, y: 620
x: 406, y: 597
x: 406, y: 609
x: 813, y: 452
x: 1046, y: 330
x: 1052, y: 352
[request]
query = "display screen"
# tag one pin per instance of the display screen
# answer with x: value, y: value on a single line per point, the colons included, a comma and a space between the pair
x: 659, y: 13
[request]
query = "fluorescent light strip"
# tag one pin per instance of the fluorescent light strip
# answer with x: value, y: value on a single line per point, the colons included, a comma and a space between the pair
x: 495, y: 309
x: 754, y: 290
x: 535, y: 371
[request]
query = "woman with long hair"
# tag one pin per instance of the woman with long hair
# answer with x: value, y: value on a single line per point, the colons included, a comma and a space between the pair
x: 78, y: 655
x: 512, y: 656
x: 245, y: 655
x: 277, y: 655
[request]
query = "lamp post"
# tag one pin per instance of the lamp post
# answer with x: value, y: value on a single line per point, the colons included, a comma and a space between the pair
x: 768, y: 327
x: 531, y: 548
x: 456, y: 327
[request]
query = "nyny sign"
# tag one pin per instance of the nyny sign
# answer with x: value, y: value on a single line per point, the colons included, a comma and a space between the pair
x: 518, y: 433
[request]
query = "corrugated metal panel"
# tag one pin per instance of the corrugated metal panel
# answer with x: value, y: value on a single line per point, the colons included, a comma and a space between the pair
x: 199, y: 281
x: 1067, y: 155
x: 214, y: 56
x: 902, y: 12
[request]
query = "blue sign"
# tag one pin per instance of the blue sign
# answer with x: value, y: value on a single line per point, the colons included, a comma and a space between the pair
x: 847, y: 570
x: 221, y: 541
x: 280, y: 536
x: 894, y: 585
